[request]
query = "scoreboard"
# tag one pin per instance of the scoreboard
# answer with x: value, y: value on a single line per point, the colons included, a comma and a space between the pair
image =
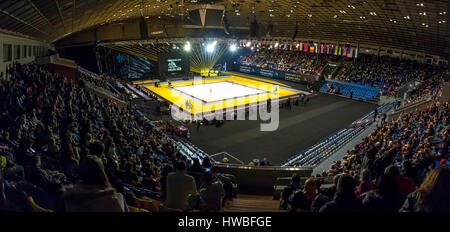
x: 170, y: 64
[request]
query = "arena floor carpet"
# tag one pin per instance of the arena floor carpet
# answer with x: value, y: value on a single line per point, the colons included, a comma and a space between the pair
x: 299, y: 128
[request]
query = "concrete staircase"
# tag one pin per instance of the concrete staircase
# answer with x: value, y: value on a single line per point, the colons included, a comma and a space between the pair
x: 253, y: 203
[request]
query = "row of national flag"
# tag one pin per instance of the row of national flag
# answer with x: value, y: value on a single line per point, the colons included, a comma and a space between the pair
x: 331, y: 49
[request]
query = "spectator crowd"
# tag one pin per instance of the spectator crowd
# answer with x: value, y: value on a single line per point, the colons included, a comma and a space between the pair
x: 403, y: 165
x: 384, y: 72
x: 388, y: 73
x: 285, y: 60
x: 71, y: 150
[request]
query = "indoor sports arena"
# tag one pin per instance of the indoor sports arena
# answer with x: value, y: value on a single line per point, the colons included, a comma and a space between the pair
x: 253, y: 106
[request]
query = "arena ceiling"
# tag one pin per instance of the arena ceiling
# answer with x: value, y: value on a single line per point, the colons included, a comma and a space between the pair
x: 419, y: 25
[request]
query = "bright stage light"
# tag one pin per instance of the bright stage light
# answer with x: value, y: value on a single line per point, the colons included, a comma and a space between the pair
x: 210, y: 48
x: 233, y: 47
x: 187, y: 46
x: 248, y: 44
x: 276, y: 44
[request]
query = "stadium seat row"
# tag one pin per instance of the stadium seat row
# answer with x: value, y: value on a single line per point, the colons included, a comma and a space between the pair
x: 359, y: 91
x: 318, y: 152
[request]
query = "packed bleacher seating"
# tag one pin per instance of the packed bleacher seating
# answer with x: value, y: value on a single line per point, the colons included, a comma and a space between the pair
x: 62, y: 148
x: 112, y: 84
x: 420, y: 137
x: 289, y: 61
x: 322, y: 150
x: 401, y: 166
x: 396, y: 168
x: 386, y: 73
x: 428, y: 88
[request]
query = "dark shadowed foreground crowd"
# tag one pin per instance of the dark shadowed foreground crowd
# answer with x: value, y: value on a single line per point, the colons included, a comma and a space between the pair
x: 70, y: 150
x: 403, y: 165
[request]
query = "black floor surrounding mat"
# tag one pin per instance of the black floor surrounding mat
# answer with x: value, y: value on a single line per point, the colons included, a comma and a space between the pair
x: 299, y: 128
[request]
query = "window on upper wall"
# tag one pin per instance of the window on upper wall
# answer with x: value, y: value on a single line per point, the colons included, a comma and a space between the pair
x: 17, y: 52
x: 24, y: 51
x: 7, y: 52
x: 29, y: 50
x: 34, y: 51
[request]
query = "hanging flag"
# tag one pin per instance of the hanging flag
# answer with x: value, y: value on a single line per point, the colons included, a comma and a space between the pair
x: 350, y: 54
x: 311, y: 49
x: 316, y: 48
x: 344, y: 52
x: 357, y: 52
